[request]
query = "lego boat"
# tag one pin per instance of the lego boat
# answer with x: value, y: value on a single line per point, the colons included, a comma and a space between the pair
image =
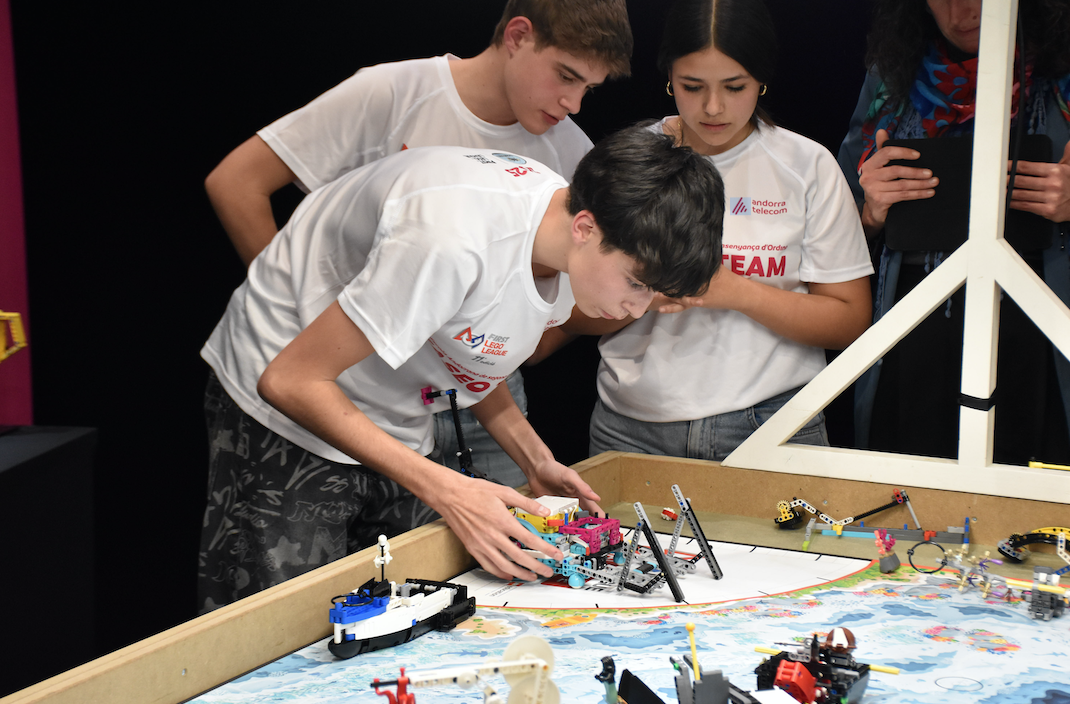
x: 381, y: 614
x: 819, y: 672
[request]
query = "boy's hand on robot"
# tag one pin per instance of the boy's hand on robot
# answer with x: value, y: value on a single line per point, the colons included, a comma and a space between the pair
x: 478, y: 513
x: 551, y: 478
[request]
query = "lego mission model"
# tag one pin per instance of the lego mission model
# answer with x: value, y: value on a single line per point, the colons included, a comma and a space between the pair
x: 818, y: 671
x: 594, y: 549
x: 812, y: 672
x: 382, y: 614
x: 527, y: 665
x: 1046, y: 598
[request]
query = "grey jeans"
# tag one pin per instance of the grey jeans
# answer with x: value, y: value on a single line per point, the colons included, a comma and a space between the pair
x: 711, y: 438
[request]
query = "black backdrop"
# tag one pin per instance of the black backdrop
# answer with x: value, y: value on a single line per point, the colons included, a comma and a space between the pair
x: 124, y: 109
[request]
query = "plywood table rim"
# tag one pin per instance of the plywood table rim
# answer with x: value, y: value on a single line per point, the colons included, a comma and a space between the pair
x: 191, y: 658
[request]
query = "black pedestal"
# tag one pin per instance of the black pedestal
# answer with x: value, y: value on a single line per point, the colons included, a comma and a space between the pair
x: 46, y: 553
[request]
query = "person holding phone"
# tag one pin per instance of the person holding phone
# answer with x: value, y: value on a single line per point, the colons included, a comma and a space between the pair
x: 921, y: 84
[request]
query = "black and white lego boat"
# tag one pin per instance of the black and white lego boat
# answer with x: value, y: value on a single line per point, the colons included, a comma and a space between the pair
x: 382, y: 614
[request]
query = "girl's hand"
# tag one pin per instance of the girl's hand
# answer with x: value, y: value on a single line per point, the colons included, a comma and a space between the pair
x: 725, y: 292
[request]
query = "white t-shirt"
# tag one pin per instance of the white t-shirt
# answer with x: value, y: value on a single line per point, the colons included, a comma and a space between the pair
x: 789, y: 220
x: 384, y: 109
x: 429, y: 253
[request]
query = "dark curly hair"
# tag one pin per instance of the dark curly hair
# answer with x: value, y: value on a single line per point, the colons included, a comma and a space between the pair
x: 902, y: 29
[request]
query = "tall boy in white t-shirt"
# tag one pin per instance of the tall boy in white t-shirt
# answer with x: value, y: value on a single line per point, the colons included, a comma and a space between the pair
x: 515, y: 96
x: 437, y: 268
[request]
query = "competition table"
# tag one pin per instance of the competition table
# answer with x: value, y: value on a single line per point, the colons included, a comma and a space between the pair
x: 735, y: 505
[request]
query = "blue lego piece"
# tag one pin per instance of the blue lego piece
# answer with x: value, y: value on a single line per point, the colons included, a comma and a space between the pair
x: 345, y: 612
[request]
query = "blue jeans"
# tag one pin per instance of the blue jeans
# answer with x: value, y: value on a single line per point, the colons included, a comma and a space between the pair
x: 487, y: 456
x: 711, y: 438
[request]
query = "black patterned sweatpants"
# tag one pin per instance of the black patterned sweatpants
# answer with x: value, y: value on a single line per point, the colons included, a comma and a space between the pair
x: 276, y: 511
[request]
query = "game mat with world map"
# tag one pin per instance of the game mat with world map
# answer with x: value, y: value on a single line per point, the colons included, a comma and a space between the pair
x: 950, y: 647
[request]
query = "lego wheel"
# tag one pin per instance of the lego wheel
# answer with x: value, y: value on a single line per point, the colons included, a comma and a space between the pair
x: 524, y: 691
x: 344, y: 650
x: 530, y: 647
x: 576, y: 581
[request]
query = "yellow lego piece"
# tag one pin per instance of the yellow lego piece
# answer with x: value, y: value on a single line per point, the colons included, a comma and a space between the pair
x: 12, y: 322
x: 562, y: 509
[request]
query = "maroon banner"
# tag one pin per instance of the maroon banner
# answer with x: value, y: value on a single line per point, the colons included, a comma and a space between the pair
x: 16, y: 406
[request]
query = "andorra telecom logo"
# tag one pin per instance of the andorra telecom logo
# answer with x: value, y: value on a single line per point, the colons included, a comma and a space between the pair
x: 757, y: 206
x: 739, y: 206
x: 469, y: 339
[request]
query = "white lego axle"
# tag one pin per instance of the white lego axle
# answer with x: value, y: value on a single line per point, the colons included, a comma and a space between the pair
x: 527, y: 668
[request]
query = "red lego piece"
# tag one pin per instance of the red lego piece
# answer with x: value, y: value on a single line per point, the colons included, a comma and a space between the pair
x: 403, y: 695
x: 796, y: 680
